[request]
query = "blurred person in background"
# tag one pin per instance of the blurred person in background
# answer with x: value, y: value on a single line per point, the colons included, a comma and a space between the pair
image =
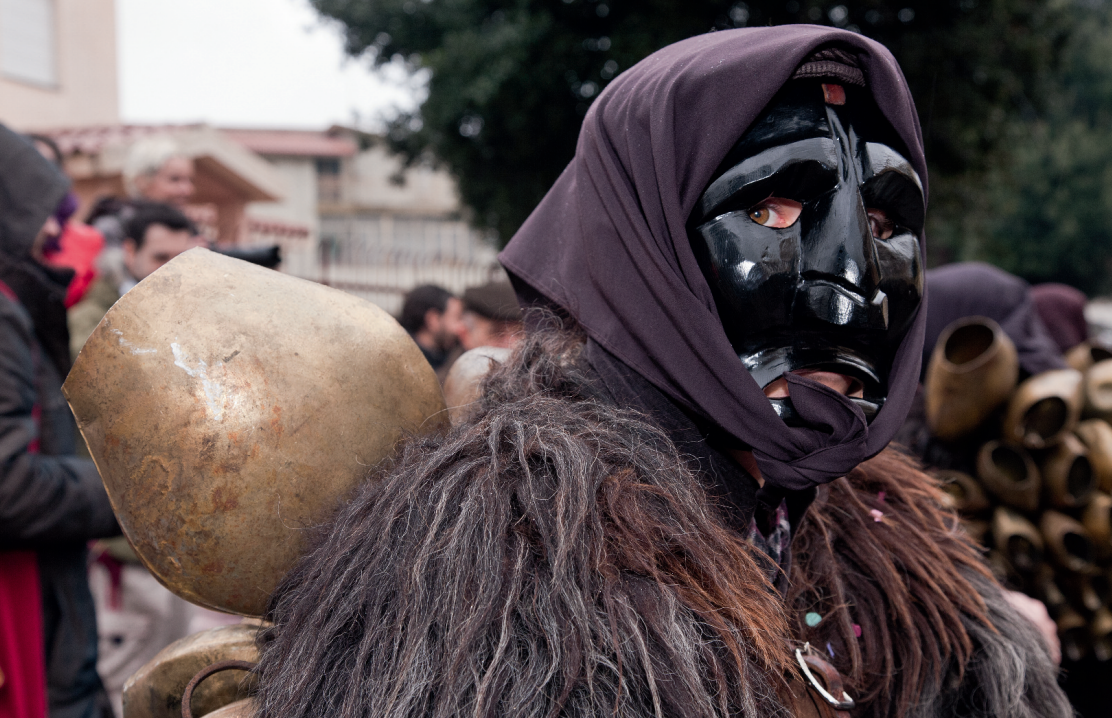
x: 433, y: 317
x: 79, y: 245
x: 155, y: 234
x: 137, y: 617
x: 155, y: 170
x: 1062, y: 310
x: 51, y: 502
x: 491, y: 316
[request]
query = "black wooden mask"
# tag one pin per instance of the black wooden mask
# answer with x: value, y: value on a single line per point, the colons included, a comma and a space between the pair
x: 809, y: 238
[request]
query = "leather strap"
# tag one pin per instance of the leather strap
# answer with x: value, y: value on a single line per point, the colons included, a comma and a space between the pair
x: 822, y: 693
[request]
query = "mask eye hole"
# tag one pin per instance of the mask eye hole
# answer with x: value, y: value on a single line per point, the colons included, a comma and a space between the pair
x: 776, y: 212
x: 881, y: 224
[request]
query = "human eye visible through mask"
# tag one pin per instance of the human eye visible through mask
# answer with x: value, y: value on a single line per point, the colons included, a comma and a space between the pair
x: 776, y: 212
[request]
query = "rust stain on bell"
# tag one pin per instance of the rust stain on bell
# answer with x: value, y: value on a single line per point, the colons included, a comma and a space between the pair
x: 229, y: 408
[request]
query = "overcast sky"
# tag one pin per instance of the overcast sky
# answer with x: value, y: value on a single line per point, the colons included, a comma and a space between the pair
x: 243, y: 63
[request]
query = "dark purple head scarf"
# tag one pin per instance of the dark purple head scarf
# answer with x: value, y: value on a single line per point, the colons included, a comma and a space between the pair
x: 975, y: 289
x: 609, y: 244
x: 1062, y: 310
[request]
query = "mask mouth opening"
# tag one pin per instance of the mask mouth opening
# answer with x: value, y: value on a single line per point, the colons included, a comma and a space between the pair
x: 787, y: 413
x: 845, y: 369
x: 846, y: 384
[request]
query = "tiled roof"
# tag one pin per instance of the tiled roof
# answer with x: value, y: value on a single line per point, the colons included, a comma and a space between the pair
x: 91, y: 140
x: 299, y: 143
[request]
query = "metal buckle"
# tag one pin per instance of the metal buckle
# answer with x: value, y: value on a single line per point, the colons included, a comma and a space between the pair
x: 845, y: 704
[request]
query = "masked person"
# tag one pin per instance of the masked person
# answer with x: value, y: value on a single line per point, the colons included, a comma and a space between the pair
x: 674, y: 505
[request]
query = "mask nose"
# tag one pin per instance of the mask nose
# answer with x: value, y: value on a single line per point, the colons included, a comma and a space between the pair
x: 840, y: 274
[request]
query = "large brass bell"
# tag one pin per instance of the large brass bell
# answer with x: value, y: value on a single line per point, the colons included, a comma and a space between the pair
x: 1009, y: 473
x: 1097, y: 520
x: 464, y: 381
x: 155, y: 690
x: 1044, y: 408
x: 1098, y: 390
x: 1067, y: 474
x: 1017, y: 539
x: 963, y: 492
x: 1100, y: 632
x: 1096, y: 434
x: 1083, y: 591
x: 230, y: 408
x: 1067, y: 542
x: 1085, y: 354
x: 972, y: 371
x: 1073, y: 632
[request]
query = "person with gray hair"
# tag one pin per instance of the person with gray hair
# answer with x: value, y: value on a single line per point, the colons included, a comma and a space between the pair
x: 155, y: 170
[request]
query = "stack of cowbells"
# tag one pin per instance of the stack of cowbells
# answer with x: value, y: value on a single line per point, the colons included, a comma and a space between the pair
x: 1037, y: 486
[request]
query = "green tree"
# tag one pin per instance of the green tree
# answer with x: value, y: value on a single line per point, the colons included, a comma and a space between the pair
x: 510, y: 80
x: 1047, y: 211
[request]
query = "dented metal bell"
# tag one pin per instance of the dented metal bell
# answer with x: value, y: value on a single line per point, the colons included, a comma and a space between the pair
x: 229, y: 409
x: 156, y: 689
x: 464, y: 381
x: 972, y: 371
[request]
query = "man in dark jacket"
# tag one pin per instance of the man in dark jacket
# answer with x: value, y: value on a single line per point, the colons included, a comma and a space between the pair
x: 51, y: 503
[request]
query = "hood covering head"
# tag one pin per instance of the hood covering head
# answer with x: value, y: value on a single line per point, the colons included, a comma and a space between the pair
x: 975, y: 289
x: 609, y: 243
x: 31, y: 188
x: 1062, y: 310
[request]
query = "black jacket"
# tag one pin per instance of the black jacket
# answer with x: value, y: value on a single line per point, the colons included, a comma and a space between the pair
x: 50, y: 501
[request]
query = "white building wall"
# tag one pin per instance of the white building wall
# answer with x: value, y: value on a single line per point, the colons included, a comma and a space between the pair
x: 300, y: 203
x: 86, y: 89
x: 369, y: 183
x: 373, y: 236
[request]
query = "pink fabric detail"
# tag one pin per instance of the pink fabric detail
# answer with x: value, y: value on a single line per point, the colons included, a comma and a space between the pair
x: 115, y: 571
x: 36, y: 414
x: 23, y: 690
x: 23, y: 693
x: 78, y: 249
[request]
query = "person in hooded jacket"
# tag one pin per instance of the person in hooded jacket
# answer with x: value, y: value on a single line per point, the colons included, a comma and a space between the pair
x: 51, y: 503
x: 675, y: 497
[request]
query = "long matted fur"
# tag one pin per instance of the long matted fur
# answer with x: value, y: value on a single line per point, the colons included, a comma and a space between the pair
x: 877, y: 550
x: 551, y: 558
x: 557, y: 557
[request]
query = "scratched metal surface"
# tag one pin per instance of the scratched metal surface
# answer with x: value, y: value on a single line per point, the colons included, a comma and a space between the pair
x: 229, y: 408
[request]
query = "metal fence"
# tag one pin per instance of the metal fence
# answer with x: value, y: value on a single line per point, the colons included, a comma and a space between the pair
x: 380, y: 257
